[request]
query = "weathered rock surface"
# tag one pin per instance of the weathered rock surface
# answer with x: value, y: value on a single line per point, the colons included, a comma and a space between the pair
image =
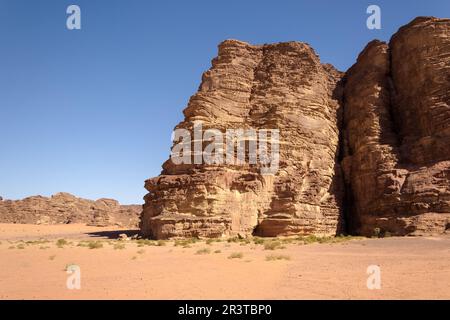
x: 63, y: 208
x: 371, y: 148
x: 397, y: 132
x: 281, y: 86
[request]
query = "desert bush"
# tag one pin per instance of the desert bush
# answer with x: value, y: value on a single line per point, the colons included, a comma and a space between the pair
x: 273, y: 257
x: 273, y: 245
x: 95, y: 245
x: 145, y: 242
x: 61, y: 243
x: 258, y: 240
x: 203, y: 251
x: 161, y: 243
x: 236, y: 255
x: 185, y: 243
x: 119, y: 246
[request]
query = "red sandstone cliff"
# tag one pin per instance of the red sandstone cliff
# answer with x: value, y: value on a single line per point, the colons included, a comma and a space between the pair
x: 385, y: 127
x: 397, y: 132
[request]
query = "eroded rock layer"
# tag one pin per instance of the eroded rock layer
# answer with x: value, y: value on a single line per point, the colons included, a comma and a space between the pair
x: 397, y: 132
x: 384, y: 127
x: 280, y: 86
x: 63, y: 208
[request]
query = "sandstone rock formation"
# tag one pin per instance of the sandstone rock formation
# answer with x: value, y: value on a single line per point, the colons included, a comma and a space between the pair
x: 63, y: 208
x: 386, y: 122
x: 397, y: 132
x: 281, y: 86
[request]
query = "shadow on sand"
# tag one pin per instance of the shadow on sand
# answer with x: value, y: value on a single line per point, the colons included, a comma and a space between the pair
x: 113, y: 234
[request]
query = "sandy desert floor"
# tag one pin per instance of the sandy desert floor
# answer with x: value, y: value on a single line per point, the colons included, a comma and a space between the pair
x: 33, y: 266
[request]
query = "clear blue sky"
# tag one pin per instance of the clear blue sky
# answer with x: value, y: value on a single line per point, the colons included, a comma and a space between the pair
x: 91, y: 111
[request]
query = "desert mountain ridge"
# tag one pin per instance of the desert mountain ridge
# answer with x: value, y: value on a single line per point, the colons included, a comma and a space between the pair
x: 64, y: 208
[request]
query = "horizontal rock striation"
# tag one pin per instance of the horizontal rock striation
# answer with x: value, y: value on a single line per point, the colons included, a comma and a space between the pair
x: 64, y: 208
x: 364, y: 151
x: 280, y: 86
x: 397, y: 132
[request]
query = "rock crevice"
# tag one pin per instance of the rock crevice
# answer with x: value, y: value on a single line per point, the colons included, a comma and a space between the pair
x: 364, y: 150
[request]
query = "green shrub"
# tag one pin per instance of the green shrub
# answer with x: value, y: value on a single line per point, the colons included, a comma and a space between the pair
x: 119, y: 246
x: 161, y: 243
x: 258, y: 240
x: 273, y: 245
x: 60, y: 243
x: 273, y: 257
x: 95, y: 245
x: 203, y: 251
x: 236, y: 255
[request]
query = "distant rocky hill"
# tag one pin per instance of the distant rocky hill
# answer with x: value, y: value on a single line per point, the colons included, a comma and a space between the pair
x: 63, y: 208
x: 363, y: 152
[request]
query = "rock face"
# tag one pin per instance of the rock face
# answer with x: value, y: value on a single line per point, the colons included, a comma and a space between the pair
x: 63, y: 208
x: 281, y: 86
x: 365, y: 150
x: 397, y: 132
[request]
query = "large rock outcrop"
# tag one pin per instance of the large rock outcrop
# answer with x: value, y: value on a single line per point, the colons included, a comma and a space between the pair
x: 63, y: 208
x: 397, y: 132
x: 368, y: 150
x: 280, y: 86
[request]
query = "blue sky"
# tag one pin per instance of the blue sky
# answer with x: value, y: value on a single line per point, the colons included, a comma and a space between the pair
x: 91, y: 111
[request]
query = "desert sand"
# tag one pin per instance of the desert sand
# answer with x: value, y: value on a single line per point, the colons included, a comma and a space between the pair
x: 411, y: 268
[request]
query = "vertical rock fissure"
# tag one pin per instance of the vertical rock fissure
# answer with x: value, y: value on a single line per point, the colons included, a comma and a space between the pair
x: 370, y: 151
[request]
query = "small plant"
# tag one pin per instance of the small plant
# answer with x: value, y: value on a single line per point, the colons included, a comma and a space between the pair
x: 95, y: 245
x: 20, y: 246
x: 161, y: 243
x: 309, y: 239
x: 203, y: 251
x: 288, y: 240
x: 142, y: 251
x: 60, y: 243
x: 258, y: 240
x: 52, y: 257
x: 377, y: 232
x: 236, y: 255
x: 273, y: 245
x: 37, y: 242
x: 245, y: 242
x: 185, y: 243
x: 218, y: 251
x: 44, y: 247
x: 133, y: 258
x: 273, y: 257
x: 119, y: 246
x: 209, y: 241
x: 145, y: 242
